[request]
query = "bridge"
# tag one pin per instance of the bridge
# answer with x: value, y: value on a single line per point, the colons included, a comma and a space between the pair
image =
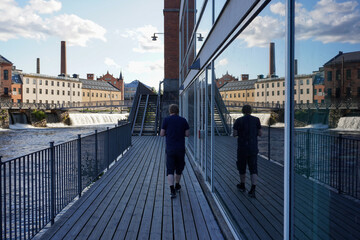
x: 67, y: 106
x: 277, y: 106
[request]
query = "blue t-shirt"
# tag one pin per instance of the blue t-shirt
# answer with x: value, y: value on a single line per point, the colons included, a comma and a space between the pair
x: 247, y: 128
x: 175, y: 127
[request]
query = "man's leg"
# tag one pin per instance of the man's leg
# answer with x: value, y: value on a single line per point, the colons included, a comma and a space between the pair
x: 253, y: 174
x: 180, y: 164
x: 241, y: 166
x: 170, y: 168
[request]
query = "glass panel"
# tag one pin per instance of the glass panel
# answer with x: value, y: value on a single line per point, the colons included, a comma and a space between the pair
x: 204, y: 26
x: 327, y: 178
x: 260, y: 218
x: 219, y: 4
x: 199, y: 4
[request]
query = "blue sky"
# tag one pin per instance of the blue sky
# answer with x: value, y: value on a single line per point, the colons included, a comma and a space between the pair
x: 106, y: 35
x: 323, y: 28
x: 114, y: 35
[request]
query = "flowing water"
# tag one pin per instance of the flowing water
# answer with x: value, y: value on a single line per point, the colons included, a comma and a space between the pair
x: 22, y: 139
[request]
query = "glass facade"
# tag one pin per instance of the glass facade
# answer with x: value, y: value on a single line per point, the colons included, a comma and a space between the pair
x: 320, y: 162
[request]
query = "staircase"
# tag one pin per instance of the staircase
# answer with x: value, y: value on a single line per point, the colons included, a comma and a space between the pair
x: 219, y: 125
x: 145, y: 117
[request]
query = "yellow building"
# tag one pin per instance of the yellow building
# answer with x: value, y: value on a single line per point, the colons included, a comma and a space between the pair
x: 97, y: 91
x: 241, y: 91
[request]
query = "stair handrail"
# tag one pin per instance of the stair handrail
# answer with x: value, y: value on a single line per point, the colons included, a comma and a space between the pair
x: 144, y: 115
x: 137, y: 110
x: 140, y: 90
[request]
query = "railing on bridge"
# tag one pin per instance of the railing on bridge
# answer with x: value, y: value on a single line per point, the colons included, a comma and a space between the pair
x: 35, y: 187
x: 328, y: 158
x: 270, y: 105
x: 68, y: 105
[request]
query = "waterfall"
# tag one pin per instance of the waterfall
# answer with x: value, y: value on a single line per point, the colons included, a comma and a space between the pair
x: 349, y: 123
x: 18, y: 118
x: 264, y: 117
x: 81, y: 119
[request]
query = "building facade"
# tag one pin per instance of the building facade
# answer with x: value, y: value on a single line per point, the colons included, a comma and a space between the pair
x: 225, y: 79
x: 99, y: 91
x: 342, y: 76
x: 16, y: 88
x: 272, y: 90
x: 40, y: 88
x: 241, y: 91
x: 5, y: 79
x: 116, y: 82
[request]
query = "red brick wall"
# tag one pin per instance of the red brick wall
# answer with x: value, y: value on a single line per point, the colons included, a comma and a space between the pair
x: 5, y: 83
x: 119, y: 83
x: 171, y: 42
x: 15, y: 95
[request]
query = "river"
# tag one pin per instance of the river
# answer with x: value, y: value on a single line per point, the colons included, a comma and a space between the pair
x: 23, y: 139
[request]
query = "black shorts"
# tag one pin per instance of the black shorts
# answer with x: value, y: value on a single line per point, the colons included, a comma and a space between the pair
x: 175, y: 162
x: 245, y: 159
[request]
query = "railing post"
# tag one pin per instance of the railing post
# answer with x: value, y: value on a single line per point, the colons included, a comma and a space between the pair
x: 269, y: 140
x: 96, y: 152
x: 108, y: 147
x: 79, y: 165
x: 307, y: 153
x: 340, y: 153
x: 52, y: 180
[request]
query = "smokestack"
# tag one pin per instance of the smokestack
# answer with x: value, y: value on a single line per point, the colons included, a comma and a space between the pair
x: 244, y: 77
x: 38, y: 65
x: 272, y: 59
x: 63, y: 58
x: 90, y: 76
x: 296, y: 67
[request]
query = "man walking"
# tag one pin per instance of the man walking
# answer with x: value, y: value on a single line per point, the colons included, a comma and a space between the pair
x: 247, y: 128
x: 175, y: 128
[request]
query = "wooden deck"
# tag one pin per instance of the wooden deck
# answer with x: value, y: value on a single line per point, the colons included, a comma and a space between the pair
x: 319, y: 212
x: 132, y: 201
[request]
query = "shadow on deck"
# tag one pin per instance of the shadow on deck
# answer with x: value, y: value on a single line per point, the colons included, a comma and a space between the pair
x: 132, y: 201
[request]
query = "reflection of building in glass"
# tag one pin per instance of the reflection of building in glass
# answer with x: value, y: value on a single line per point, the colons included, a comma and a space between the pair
x: 319, y: 87
x: 116, y: 82
x: 226, y: 78
x: 243, y: 91
x: 342, y: 76
x: 5, y: 78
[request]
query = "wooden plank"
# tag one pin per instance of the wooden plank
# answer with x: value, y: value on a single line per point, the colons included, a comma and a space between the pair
x: 97, y: 222
x: 167, y: 224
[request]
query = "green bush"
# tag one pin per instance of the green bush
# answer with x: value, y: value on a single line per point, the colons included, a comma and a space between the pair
x: 39, y: 115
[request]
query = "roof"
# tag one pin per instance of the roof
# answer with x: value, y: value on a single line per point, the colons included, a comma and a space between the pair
x: 98, y: 85
x: 4, y: 60
x: 134, y: 84
x: 348, y: 57
x: 50, y: 77
x: 16, y: 78
x: 239, y: 85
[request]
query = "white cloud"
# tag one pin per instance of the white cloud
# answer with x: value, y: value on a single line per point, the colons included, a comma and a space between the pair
x: 142, y: 36
x: 111, y: 63
x: 141, y: 67
x: 222, y: 62
x: 43, y: 6
x: 329, y: 21
x: 27, y: 22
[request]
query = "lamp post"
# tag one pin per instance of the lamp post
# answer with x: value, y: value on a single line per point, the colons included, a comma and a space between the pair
x: 154, y: 37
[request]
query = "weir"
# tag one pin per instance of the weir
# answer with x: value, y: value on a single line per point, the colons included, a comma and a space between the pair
x: 81, y: 119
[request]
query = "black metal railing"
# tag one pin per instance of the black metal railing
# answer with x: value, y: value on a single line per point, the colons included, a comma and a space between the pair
x: 331, y: 159
x: 35, y: 187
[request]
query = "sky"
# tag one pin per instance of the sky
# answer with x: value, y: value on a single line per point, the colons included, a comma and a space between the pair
x: 101, y: 36
x: 115, y: 35
x: 323, y: 28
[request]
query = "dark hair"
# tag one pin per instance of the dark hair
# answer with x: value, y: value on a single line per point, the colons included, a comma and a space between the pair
x: 246, y: 109
x: 173, y: 108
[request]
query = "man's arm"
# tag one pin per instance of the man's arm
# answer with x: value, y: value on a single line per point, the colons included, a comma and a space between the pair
x: 162, y: 132
x: 187, y: 133
x: 235, y: 133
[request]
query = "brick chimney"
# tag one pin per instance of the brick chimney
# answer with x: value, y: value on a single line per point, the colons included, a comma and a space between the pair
x: 90, y: 76
x: 63, y: 58
x: 38, y: 65
x: 244, y: 77
x: 272, y: 59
